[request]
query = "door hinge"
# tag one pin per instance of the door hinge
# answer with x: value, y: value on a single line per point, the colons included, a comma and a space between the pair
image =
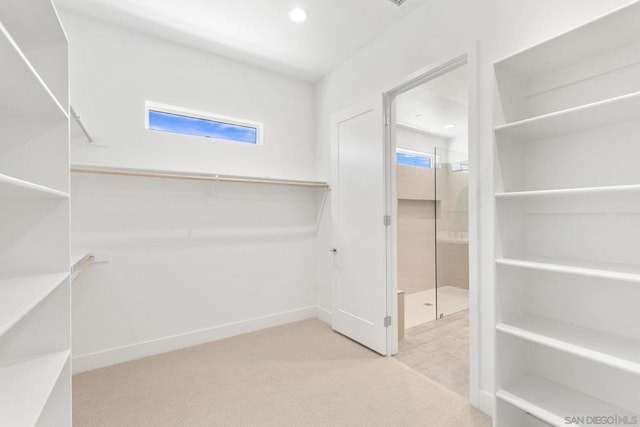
x: 387, y: 321
x: 387, y: 220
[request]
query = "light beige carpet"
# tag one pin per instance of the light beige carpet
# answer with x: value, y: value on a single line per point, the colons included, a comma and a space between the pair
x: 301, y: 374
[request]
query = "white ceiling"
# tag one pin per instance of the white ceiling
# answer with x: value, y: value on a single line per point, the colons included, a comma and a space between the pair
x: 258, y: 32
x: 438, y: 102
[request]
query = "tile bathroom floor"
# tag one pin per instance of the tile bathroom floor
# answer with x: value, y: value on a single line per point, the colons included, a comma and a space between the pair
x: 420, y: 307
x: 440, y: 350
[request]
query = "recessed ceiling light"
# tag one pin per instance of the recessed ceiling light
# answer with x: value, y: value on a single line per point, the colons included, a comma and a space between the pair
x: 450, y: 126
x: 298, y: 14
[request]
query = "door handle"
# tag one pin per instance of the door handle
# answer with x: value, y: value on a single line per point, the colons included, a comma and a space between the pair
x: 334, y: 250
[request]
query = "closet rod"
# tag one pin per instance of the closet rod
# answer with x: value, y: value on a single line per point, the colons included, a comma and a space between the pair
x: 196, y: 177
x: 76, y: 117
x: 81, y: 266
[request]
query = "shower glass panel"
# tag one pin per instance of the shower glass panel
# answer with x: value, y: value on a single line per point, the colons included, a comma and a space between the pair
x: 452, y: 231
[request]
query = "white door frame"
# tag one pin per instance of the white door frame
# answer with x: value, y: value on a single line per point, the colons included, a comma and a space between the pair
x: 470, y: 58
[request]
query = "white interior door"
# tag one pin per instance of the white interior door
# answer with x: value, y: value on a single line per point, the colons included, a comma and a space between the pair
x: 360, y: 236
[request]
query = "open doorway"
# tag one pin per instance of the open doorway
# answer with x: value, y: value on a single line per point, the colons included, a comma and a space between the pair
x: 432, y: 188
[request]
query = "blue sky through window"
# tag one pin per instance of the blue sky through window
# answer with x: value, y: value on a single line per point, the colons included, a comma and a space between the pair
x: 413, y: 160
x: 177, y: 123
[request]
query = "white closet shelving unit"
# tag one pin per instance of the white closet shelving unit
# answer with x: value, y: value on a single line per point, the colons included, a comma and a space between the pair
x: 35, y: 374
x: 568, y: 227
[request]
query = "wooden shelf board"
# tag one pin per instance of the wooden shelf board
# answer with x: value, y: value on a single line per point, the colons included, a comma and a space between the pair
x: 552, y: 402
x: 602, y: 347
x: 620, y: 272
x: 26, y: 93
x: 14, y: 188
x: 581, y: 118
x: 77, y: 257
x: 614, y: 30
x: 25, y: 388
x: 20, y: 295
x: 570, y: 191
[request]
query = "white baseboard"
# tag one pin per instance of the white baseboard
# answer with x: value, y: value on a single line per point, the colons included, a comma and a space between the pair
x: 485, y: 402
x: 324, y: 315
x: 86, y: 362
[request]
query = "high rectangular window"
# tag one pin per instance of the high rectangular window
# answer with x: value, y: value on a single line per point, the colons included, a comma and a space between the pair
x: 414, y: 158
x: 189, y: 122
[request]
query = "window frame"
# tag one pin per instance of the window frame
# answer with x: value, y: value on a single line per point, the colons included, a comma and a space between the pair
x: 434, y: 158
x: 203, y: 115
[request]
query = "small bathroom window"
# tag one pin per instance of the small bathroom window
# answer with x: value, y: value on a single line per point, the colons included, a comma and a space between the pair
x: 414, y: 158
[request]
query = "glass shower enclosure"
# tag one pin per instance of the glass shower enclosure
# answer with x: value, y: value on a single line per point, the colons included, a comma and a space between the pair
x: 451, y: 231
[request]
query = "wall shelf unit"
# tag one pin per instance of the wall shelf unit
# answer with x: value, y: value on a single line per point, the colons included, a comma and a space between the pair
x: 567, y: 192
x: 580, y: 118
x: 19, y: 296
x: 549, y: 402
x: 35, y: 122
x: 24, y: 406
x: 613, y: 350
x: 35, y: 335
x: 591, y: 63
x: 599, y: 270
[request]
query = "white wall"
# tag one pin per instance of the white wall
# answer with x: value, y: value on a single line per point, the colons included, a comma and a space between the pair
x: 113, y: 71
x: 181, y: 271
x: 459, y: 144
x: 411, y: 139
x: 438, y: 31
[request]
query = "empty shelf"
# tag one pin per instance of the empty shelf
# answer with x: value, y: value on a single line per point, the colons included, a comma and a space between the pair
x: 14, y: 188
x: 592, y: 269
x: 612, y: 31
x: 578, y: 119
x: 612, y: 350
x: 25, y: 388
x: 552, y: 402
x: 18, y: 296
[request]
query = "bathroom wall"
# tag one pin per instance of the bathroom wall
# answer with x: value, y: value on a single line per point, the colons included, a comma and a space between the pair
x: 452, y: 224
x: 416, y: 214
x: 416, y: 244
x: 423, y: 209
